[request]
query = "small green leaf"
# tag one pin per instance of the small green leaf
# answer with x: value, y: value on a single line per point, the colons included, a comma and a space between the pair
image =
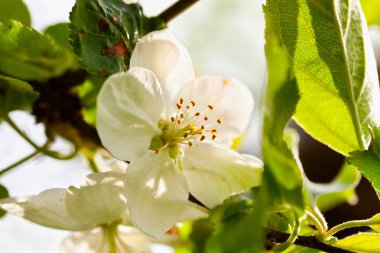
x: 376, y: 218
x: 104, y: 33
x: 16, y: 10
x: 26, y: 54
x: 15, y: 95
x: 3, y: 194
x: 335, y: 69
x: 361, y: 243
x: 340, y: 190
x: 369, y: 164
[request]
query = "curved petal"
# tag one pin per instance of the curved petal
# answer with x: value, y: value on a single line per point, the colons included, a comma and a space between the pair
x: 169, y: 60
x: 100, y: 200
x: 193, y: 212
x: 221, y: 98
x: 118, y: 239
x: 131, y: 240
x: 157, y: 193
x: 92, y: 241
x: 214, y: 173
x: 129, y: 107
x: 47, y: 209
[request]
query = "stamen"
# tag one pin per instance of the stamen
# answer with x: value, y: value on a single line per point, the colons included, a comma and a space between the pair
x: 157, y: 151
x: 188, y: 107
x: 205, y: 118
x: 213, y: 130
x: 186, y: 134
x: 172, y: 119
x: 211, y: 107
x: 219, y: 121
x: 202, y: 127
x: 192, y: 103
x: 182, y: 115
x: 197, y: 114
x: 190, y: 143
x: 213, y: 136
x: 178, y: 106
x: 202, y: 138
x: 181, y: 101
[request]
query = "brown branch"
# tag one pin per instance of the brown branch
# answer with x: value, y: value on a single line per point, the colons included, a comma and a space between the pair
x: 176, y: 9
x: 275, y: 236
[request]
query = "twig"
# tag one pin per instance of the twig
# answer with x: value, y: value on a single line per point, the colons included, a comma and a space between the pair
x: 19, y: 162
x: 304, y: 240
x: 176, y: 9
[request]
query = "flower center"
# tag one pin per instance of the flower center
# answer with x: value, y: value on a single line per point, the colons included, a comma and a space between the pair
x: 187, y: 125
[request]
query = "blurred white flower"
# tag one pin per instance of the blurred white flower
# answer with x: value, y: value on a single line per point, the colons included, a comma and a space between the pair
x: 176, y: 130
x: 97, y: 211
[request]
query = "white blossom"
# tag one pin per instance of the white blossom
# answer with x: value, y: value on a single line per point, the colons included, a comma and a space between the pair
x: 175, y: 129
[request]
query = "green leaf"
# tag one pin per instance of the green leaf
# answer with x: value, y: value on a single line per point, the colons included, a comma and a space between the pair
x: 371, y: 11
x: 16, y: 10
x: 28, y: 55
x: 376, y: 218
x: 340, y: 190
x: 104, y: 33
x: 369, y: 164
x: 60, y: 33
x: 335, y: 70
x: 15, y: 95
x: 282, y: 168
x: 361, y: 243
x: 3, y: 194
x: 300, y: 249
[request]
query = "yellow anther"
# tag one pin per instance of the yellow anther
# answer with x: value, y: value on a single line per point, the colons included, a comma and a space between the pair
x: 210, y: 107
x: 205, y: 118
x: 219, y: 121
x: 202, y: 127
x: 213, y: 130
x: 197, y: 114
x: 192, y: 103
x: 181, y: 101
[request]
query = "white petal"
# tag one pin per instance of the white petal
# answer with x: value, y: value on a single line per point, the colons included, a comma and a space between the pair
x: 169, y: 60
x: 85, y: 242
x: 100, y: 199
x: 230, y: 100
x: 131, y: 240
x: 157, y: 193
x: 124, y: 240
x: 129, y: 106
x: 47, y: 209
x: 193, y: 212
x: 214, y: 173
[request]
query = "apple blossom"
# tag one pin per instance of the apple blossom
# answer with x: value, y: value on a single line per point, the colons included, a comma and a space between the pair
x: 175, y: 129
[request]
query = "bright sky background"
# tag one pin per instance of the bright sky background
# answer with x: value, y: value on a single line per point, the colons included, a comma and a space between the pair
x: 223, y: 37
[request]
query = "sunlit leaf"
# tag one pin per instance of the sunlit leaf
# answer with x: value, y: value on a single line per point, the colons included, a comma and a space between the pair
x: 3, y: 194
x: 335, y: 70
x: 369, y: 164
x: 28, y: 55
x: 104, y: 33
x: 361, y: 243
x: 14, y: 9
x: 15, y: 95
